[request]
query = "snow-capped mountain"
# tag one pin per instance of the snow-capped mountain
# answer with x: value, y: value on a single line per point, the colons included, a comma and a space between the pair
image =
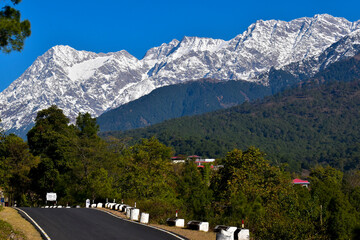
x: 81, y: 81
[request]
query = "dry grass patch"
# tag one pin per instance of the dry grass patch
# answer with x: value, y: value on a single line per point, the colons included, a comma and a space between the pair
x: 19, y: 224
x: 190, y: 234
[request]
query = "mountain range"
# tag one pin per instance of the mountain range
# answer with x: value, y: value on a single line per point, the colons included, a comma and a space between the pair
x: 81, y: 81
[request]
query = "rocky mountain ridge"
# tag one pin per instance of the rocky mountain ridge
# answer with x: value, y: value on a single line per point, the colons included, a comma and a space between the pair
x: 81, y: 81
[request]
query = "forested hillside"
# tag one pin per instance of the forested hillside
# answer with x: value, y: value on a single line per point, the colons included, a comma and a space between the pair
x: 304, y: 126
x: 179, y: 100
x: 191, y: 98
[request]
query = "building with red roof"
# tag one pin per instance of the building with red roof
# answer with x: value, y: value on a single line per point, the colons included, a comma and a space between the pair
x: 301, y: 182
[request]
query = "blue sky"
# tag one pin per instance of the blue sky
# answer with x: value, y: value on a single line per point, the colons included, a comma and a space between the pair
x: 136, y: 26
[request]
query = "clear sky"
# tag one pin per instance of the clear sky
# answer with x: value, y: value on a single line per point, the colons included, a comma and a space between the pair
x: 136, y: 26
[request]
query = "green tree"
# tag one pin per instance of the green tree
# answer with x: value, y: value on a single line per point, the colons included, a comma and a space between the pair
x: 87, y: 126
x: 15, y: 164
x: 94, y: 167
x: 249, y: 188
x: 3, y: 167
x: 75, y: 162
x: 356, y: 234
x: 339, y: 216
x: 99, y: 185
x: 89, y: 148
x: 51, y: 132
x: 194, y: 192
x: 340, y: 222
x: 52, y: 138
x: 13, y: 31
x: 146, y: 176
x: 149, y: 171
x: 351, y: 187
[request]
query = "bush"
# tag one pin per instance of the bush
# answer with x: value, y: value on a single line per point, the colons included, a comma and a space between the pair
x: 159, y: 210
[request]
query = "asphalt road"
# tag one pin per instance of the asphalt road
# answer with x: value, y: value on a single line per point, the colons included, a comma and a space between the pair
x: 82, y: 223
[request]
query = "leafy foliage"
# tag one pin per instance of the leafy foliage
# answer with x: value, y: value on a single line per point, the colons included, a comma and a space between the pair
x: 149, y: 171
x: 51, y: 138
x: 15, y: 164
x: 193, y: 187
x: 13, y: 31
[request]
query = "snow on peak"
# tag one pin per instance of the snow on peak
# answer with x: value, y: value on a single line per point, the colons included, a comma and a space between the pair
x: 160, y: 52
x: 329, y: 18
x: 82, y: 81
x: 62, y: 48
x: 86, y: 69
x: 200, y: 44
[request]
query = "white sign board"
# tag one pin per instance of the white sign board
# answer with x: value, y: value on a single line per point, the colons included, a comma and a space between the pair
x: 51, y: 196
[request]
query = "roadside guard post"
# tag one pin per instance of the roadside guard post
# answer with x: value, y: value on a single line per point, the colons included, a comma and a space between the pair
x: 51, y: 197
x: 225, y: 232
x: 87, y: 203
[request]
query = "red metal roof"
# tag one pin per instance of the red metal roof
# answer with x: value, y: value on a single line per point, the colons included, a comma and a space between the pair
x: 202, y: 166
x: 299, y: 181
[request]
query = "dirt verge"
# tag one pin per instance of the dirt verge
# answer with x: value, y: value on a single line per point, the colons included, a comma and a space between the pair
x: 190, y: 234
x: 19, y: 224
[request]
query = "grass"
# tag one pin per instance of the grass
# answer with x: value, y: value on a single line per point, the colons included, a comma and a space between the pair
x: 7, y: 232
x: 13, y: 226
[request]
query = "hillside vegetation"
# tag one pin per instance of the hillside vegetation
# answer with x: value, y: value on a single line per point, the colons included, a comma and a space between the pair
x: 316, y: 122
x: 74, y: 162
x: 179, y: 100
x: 191, y: 98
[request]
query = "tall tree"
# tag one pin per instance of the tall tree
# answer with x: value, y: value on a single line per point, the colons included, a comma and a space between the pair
x: 88, y: 144
x: 87, y: 125
x: 339, y: 216
x: 149, y: 171
x: 17, y: 162
x: 194, y: 192
x: 94, y: 166
x: 3, y: 166
x: 13, y: 31
x: 53, y: 140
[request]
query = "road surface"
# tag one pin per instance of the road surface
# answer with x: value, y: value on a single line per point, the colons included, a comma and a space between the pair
x: 83, y: 223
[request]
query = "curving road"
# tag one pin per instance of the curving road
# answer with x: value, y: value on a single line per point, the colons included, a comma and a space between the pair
x: 83, y: 223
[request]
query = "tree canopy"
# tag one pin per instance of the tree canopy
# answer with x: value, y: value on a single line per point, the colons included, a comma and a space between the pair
x: 13, y: 30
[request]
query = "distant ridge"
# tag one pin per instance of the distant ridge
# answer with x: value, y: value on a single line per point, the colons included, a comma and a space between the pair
x: 81, y: 81
x: 186, y: 99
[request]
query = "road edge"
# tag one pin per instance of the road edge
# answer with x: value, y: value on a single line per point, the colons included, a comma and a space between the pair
x: 160, y: 229
x: 33, y: 222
